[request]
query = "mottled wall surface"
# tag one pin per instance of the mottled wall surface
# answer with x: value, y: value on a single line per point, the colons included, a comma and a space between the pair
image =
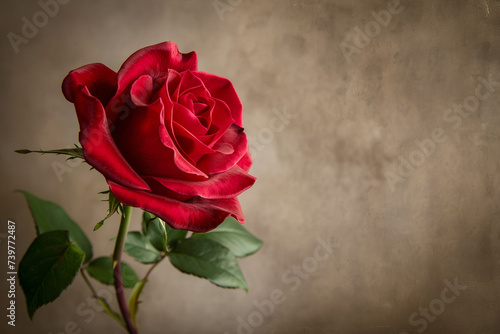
x: 387, y: 148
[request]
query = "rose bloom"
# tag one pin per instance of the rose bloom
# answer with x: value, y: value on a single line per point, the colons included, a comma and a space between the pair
x: 167, y: 137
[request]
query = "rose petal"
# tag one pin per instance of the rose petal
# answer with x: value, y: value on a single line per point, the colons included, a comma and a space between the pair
x: 220, y: 121
x: 141, y: 139
x: 222, y: 89
x: 141, y: 90
x: 188, y: 120
x: 200, y: 108
x: 191, y: 145
x: 228, y: 184
x: 99, y: 79
x: 168, y: 139
x: 190, y: 84
x: 160, y: 189
x: 220, y: 162
x: 197, y: 215
x: 246, y: 162
x: 155, y: 61
x: 99, y: 149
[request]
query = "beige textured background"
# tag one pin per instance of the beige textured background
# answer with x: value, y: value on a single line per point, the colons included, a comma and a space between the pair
x: 321, y: 175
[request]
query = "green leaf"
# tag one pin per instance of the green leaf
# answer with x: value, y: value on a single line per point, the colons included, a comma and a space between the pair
x: 234, y: 236
x: 133, y: 301
x: 139, y: 247
x: 102, y: 270
x: 173, y: 235
x: 208, y: 259
x: 48, y: 268
x: 154, y: 229
x: 76, y: 152
x: 49, y: 216
x: 113, y: 205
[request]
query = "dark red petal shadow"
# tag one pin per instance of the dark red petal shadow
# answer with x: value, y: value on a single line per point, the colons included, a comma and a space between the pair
x: 99, y: 79
x: 99, y: 149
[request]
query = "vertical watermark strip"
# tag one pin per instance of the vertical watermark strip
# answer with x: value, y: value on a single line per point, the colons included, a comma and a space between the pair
x: 11, y: 272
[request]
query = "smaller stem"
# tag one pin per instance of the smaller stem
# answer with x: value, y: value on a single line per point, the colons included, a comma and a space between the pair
x: 152, y: 267
x: 102, y: 301
x: 86, y: 279
x: 117, y: 269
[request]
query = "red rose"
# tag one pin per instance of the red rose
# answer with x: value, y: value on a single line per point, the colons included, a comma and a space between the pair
x: 166, y: 137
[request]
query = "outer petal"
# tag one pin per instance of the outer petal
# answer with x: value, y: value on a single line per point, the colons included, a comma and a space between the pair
x: 100, y: 80
x: 141, y: 90
x: 155, y: 61
x: 222, y: 89
x: 197, y: 215
x: 99, y: 149
x: 223, y: 185
x: 246, y: 162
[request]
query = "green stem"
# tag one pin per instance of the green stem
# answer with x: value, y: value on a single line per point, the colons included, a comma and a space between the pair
x: 117, y: 269
x: 102, y: 301
x: 85, y: 278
